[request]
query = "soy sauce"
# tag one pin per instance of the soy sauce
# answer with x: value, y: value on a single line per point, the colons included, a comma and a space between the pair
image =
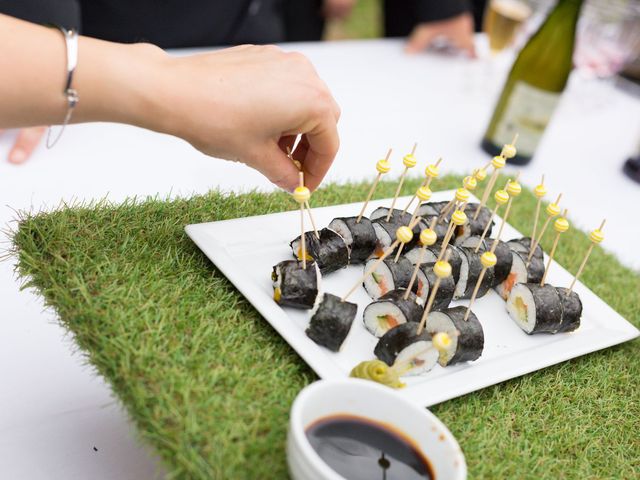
x: 361, y: 449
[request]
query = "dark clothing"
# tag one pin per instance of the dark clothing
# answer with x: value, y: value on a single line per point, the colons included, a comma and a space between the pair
x: 179, y: 23
x: 400, y: 16
x: 65, y: 13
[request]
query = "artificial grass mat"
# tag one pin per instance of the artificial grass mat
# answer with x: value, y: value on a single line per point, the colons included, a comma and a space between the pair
x: 209, y: 383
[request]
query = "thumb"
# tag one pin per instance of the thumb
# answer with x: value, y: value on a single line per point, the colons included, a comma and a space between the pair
x: 420, y: 38
x: 277, y: 167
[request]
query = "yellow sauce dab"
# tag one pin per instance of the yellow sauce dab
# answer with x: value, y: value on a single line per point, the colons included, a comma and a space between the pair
x: 277, y: 294
x: 377, y: 371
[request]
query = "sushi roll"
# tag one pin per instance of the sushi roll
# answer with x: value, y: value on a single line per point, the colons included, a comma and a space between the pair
x: 426, y: 279
x: 294, y: 286
x: 429, y: 209
x: 329, y: 251
x: 389, y: 275
x: 523, y: 245
x: 385, y: 235
x: 535, y: 308
x: 521, y: 273
x: 331, y: 321
x: 467, y: 336
x: 360, y: 237
x: 503, y: 256
x: 571, y: 310
x: 391, y: 310
x: 440, y: 228
x: 469, y: 274
x: 477, y: 226
x: 431, y: 256
x: 403, y: 347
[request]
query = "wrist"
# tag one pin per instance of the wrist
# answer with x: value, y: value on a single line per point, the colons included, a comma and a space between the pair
x: 119, y: 83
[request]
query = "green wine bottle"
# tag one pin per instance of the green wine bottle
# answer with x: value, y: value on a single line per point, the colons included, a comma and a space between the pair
x: 534, y: 85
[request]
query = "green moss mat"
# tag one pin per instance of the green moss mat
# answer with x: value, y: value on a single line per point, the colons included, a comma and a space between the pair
x: 209, y: 383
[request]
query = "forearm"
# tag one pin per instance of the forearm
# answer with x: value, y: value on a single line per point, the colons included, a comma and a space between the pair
x: 114, y: 81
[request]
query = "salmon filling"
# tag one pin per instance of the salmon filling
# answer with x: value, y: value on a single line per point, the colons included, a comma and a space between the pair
x: 387, y: 322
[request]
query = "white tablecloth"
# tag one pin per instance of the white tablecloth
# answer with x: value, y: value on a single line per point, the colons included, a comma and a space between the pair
x: 54, y: 410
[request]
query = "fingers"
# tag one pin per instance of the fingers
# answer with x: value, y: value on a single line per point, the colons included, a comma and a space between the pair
x: 421, y: 38
x: 278, y: 168
x: 323, y: 143
x: 463, y: 35
x: 26, y: 142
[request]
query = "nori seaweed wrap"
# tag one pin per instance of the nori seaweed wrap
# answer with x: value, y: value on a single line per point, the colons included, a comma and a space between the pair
x: 440, y: 228
x: 402, y: 345
x: 467, y: 336
x: 535, y: 308
x: 428, y: 209
x: 331, y: 322
x: 503, y: 256
x: 521, y: 273
x: 445, y: 292
x: 360, y: 237
x: 475, y: 227
x: 389, y: 275
x: 293, y: 286
x: 523, y: 245
x: 330, y: 251
x: 469, y: 273
x: 391, y: 310
x: 431, y: 256
x: 571, y: 310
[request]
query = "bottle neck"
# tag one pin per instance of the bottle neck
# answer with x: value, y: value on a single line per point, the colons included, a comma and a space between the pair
x: 567, y: 10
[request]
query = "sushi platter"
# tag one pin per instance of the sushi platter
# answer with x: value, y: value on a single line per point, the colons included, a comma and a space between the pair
x: 248, y: 250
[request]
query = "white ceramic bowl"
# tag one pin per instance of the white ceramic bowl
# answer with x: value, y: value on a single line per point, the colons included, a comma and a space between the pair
x: 367, y: 399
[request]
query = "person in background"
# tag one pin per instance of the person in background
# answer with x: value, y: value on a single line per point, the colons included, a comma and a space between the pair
x: 424, y: 21
x: 245, y: 104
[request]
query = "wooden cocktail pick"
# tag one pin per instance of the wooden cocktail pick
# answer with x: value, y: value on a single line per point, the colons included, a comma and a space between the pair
x: 383, y: 166
x: 307, y: 206
x: 302, y: 195
x: 513, y: 189
x: 596, y: 237
x: 488, y: 259
x: 403, y: 235
x: 409, y: 161
x: 481, y: 173
x: 403, y: 241
x: 457, y: 219
x: 423, y: 194
x: 432, y: 171
x: 442, y: 269
x: 428, y: 237
x: 501, y: 197
x: 540, y: 191
x: 469, y: 183
x: 553, y: 210
x: 498, y: 162
x: 561, y: 225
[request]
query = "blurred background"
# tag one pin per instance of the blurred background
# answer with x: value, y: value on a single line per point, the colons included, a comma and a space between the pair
x: 608, y: 32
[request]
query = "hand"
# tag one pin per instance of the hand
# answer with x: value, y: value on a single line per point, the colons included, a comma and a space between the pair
x: 457, y: 30
x: 247, y: 104
x: 337, y: 8
x: 26, y: 142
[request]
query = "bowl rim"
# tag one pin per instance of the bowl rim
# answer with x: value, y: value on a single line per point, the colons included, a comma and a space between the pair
x: 304, y: 448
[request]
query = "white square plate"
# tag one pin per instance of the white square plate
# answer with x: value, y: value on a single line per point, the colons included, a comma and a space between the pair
x: 246, y: 249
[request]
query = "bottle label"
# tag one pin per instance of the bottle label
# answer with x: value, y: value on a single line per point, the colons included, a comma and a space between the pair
x: 527, y: 113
